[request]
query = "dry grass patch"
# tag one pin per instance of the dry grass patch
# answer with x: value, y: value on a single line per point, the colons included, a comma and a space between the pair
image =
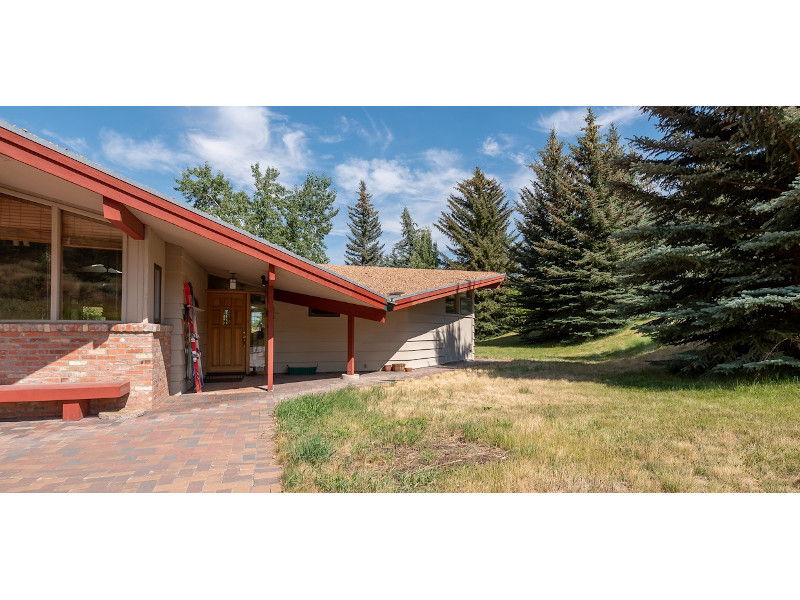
x: 580, y: 423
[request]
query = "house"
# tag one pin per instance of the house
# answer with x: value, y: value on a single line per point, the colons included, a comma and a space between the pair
x: 92, y: 273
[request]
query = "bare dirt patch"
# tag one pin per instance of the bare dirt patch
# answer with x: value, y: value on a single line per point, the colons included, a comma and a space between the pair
x: 451, y: 451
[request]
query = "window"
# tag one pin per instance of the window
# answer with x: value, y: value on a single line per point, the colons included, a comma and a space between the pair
x: 42, y: 277
x: 450, y: 305
x: 465, y: 303
x: 459, y: 304
x: 314, y: 312
x: 91, y: 271
x: 25, y: 242
x: 156, y: 294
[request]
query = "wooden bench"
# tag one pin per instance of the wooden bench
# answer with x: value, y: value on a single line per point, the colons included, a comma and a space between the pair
x: 74, y: 396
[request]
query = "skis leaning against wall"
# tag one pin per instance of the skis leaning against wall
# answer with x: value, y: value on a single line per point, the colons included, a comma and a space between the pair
x: 193, y: 347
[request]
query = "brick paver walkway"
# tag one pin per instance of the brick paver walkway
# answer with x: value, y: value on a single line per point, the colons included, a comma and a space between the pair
x: 217, y: 441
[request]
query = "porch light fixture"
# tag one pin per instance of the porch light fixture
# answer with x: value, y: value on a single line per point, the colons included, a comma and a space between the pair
x: 232, y: 281
x: 264, y: 280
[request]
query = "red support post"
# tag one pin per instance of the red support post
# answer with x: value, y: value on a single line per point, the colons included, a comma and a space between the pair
x: 351, y: 345
x: 270, y: 327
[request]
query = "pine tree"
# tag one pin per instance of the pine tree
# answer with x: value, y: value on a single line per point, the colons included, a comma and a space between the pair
x: 477, y: 222
x: 363, y: 247
x: 403, y: 250
x: 722, y: 269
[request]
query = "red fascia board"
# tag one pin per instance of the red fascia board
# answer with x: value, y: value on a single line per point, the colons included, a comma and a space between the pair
x: 120, y: 217
x: 74, y: 171
x: 63, y: 391
x: 344, y: 308
x: 427, y: 296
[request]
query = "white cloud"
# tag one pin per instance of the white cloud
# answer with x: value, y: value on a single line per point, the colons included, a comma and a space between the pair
x: 230, y: 139
x: 423, y: 187
x: 490, y: 147
x: 568, y: 122
x: 152, y: 155
x: 77, y: 145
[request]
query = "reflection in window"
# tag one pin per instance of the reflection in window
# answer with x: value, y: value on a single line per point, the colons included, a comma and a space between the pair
x: 25, y: 230
x: 465, y: 303
x: 258, y: 313
x: 91, y: 279
x: 450, y: 305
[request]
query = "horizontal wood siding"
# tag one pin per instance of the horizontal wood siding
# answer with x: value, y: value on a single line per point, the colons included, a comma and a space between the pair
x: 418, y: 336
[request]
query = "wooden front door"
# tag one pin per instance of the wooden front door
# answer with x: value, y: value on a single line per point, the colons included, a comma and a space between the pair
x: 227, y: 332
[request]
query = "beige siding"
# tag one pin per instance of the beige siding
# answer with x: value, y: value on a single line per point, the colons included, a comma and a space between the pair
x: 179, y: 268
x: 419, y: 336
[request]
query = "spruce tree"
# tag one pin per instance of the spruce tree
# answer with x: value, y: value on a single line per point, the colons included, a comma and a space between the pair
x: 722, y: 270
x: 569, y: 252
x: 548, y: 249
x: 362, y: 246
x: 403, y: 250
x: 476, y: 223
x: 426, y: 251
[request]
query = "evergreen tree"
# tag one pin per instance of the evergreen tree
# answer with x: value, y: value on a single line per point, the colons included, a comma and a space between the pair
x: 477, y: 222
x: 548, y: 250
x: 403, y: 250
x: 426, y: 252
x: 569, y: 252
x: 722, y: 270
x: 363, y: 247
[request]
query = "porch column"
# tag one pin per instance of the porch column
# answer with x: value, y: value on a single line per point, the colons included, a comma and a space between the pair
x: 270, y: 366
x: 351, y: 345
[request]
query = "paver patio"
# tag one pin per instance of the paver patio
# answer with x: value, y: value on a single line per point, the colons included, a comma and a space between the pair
x: 218, y: 441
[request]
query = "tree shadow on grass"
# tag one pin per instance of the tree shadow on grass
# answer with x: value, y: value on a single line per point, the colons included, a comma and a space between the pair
x: 627, y: 368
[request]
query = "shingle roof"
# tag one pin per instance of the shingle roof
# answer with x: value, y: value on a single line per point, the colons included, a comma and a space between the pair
x: 391, y: 281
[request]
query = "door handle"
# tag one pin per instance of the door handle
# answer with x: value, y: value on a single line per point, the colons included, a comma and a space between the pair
x: 244, y: 338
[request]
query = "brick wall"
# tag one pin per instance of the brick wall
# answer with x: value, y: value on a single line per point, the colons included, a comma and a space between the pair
x: 85, y: 352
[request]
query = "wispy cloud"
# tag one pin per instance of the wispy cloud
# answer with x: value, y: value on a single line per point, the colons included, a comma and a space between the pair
x: 230, y: 139
x: 568, y: 122
x: 151, y: 155
x: 423, y: 185
x: 78, y: 145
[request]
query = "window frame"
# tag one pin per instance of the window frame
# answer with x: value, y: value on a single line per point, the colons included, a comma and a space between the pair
x: 158, y: 284
x: 56, y: 260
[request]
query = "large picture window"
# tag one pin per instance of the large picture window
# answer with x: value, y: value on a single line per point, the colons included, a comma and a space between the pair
x: 91, y: 274
x: 25, y: 241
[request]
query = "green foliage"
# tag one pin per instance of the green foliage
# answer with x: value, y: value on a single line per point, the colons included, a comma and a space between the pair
x: 570, y: 286
x: 213, y: 194
x: 476, y: 222
x: 426, y: 253
x: 722, y: 269
x: 362, y: 247
x: 297, y: 220
x: 415, y: 249
x: 313, y: 449
x: 308, y: 217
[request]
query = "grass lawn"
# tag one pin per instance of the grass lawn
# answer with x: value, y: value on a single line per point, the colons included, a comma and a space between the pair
x: 590, y: 417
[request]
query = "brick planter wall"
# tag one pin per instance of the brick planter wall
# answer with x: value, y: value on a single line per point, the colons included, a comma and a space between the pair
x: 85, y: 352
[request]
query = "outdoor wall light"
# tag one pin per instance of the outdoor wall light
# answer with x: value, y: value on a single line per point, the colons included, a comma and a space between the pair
x: 264, y: 280
x: 232, y: 281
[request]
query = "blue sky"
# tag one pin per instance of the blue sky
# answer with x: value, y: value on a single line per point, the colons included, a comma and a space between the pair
x: 408, y: 156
